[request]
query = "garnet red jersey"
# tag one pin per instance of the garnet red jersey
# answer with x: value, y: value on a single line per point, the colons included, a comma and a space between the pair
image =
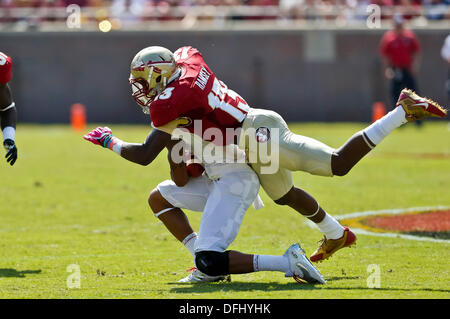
x: 198, y: 95
x: 5, y: 68
x: 399, y: 48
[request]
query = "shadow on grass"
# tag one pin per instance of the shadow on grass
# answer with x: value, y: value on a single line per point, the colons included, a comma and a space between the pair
x: 276, y: 286
x: 386, y: 289
x: 342, y: 278
x: 10, y: 272
x: 239, y: 286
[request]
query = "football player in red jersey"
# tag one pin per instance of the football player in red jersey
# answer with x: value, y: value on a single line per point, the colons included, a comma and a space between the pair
x: 178, y: 89
x: 8, y: 111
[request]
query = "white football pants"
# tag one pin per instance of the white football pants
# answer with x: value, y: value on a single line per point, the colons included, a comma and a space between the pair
x: 223, y: 203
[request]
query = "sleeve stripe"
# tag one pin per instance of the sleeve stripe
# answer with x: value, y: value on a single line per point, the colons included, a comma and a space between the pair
x: 8, y: 107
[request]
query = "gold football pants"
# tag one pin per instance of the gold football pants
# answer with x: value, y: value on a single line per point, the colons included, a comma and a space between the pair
x: 274, y: 152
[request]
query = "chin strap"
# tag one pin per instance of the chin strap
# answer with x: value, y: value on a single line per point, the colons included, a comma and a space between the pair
x: 145, y: 109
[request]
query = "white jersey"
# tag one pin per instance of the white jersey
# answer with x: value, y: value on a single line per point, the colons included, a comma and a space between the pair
x: 216, y: 165
x: 223, y: 202
x: 236, y: 162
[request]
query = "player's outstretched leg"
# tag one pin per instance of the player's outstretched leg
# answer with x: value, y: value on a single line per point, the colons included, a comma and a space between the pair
x: 178, y: 225
x: 293, y: 263
x: 410, y: 107
x: 336, y: 236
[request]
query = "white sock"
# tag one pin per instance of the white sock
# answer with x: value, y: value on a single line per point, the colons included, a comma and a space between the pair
x: 384, y: 126
x: 271, y: 263
x: 189, y: 243
x: 330, y: 227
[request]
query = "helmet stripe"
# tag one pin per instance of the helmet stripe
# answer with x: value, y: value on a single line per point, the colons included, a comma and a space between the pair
x: 150, y: 74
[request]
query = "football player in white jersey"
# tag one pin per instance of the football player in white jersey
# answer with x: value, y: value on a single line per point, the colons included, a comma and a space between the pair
x: 8, y: 112
x: 223, y: 193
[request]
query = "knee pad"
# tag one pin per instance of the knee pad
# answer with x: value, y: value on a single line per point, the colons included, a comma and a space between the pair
x: 212, y: 263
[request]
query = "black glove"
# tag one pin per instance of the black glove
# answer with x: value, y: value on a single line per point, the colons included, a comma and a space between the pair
x: 11, y: 155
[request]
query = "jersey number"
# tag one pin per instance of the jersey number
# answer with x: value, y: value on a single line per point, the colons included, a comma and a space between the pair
x: 166, y: 94
x: 181, y: 53
x: 216, y: 101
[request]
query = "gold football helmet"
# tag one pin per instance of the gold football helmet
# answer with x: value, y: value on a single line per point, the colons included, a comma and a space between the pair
x: 151, y: 70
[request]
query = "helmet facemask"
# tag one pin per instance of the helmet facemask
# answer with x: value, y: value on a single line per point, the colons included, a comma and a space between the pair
x: 150, y: 72
x: 142, y: 93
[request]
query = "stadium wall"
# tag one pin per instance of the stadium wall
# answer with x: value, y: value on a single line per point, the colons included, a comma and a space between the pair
x: 305, y: 75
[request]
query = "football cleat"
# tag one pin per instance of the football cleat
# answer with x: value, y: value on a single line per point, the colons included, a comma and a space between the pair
x: 329, y: 246
x: 417, y: 107
x: 301, y: 269
x: 197, y: 276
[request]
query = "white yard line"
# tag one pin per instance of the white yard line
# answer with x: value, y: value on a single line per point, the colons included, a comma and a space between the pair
x: 394, y: 211
x: 396, y: 235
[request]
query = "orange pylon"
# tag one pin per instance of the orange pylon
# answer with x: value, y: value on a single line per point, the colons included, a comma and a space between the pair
x: 78, y: 117
x: 378, y: 111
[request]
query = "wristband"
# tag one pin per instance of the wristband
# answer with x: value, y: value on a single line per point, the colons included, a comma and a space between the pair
x: 113, y: 143
x: 9, y: 132
x: 117, y: 146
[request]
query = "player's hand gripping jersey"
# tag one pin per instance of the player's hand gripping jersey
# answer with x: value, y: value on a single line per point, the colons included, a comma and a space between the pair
x: 5, y: 68
x: 198, y: 95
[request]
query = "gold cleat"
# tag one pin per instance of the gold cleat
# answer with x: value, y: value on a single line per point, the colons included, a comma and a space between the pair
x: 417, y: 107
x: 329, y: 246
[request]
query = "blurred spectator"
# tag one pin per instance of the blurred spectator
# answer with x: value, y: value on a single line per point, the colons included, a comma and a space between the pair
x: 260, y: 2
x: 81, y: 3
x: 343, y: 12
x: 127, y: 11
x: 408, y: 8
x: 435, y: 9
x: 445, y: 53
x: 399, y: 49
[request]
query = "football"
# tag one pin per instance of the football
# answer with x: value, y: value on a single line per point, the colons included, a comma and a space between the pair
x: 194, y: 169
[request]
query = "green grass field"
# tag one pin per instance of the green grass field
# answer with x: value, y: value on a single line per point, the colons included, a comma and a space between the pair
x: 67, y: 202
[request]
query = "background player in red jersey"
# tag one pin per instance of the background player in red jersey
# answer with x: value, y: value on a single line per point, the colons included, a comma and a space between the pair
x: 399, y: 50
x: 8, y: 111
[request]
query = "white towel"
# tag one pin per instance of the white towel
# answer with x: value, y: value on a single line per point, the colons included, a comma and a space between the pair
x: 258, y: 203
